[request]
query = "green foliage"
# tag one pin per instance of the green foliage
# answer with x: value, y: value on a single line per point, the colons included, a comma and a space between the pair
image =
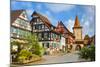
x: 17, y: 44
x: 24, y: 54
x: 84, y: 53
x: 34, y: 45
x: 39, y: 50
x: 92, y: 52
x: 86, y: 37
x: 88, y: 53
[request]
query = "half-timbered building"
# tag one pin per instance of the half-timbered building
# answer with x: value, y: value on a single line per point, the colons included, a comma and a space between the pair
x: 45, y: 31
x: 20, y: 27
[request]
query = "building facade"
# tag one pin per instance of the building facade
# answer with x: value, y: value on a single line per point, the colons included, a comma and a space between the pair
x: 42, y: 27
x: 20, y: 27
x: 69, y: 37
x: 50, y: 37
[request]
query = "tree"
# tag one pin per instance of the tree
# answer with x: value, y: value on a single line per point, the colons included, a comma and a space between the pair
x: 88, y: 53
x: 16, y: 43
x: 33, y: 45
x: 86, y: 40
x: 15, y: 51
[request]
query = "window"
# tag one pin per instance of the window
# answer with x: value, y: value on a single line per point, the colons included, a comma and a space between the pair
x: 42, y: 35
x: 18, y: 21
x: 15, y: 30
x: 11, y: 30
x: 51, y: 35
x: 48, y: 35
x: 38, y: 20
x: 42, y: 26
x: 47, y: 45
x: 22, y: 22
x: 55, y: 35
x: 33, y: 27
x: 45, y: 34
x: 39, y: 35
x: 37, y: 27
x: 43, y: 44
x: 35, y: 19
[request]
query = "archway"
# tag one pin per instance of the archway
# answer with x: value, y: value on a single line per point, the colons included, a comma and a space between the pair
x: 78, y: 47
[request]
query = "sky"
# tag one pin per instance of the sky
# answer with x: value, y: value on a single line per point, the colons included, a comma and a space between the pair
x: 61, y: 12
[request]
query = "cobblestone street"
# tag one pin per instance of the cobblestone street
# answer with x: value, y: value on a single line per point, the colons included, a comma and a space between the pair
x: 63, y: 58
x: 60, y: 58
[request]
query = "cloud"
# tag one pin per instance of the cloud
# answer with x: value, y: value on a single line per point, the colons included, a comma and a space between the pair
x: 51, y: 18
x: 39, y: 7
x: 21, y: 5
x: 88, y: 25
x: 69, y: 24
x: 29, y: 13
x: 56, y: 8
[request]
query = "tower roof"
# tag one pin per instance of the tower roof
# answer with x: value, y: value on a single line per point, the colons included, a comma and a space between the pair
x: 77, y: 23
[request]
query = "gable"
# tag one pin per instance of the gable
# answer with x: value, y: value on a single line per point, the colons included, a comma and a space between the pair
x: 24, y: 15
x: 15, y: 14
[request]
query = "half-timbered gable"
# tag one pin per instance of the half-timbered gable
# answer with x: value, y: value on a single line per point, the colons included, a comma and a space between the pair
x: 20, y: 26
x: 69, y: 37
x: 42, y: 27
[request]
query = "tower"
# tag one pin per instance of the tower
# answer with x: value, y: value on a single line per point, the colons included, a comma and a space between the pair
x: 77, y: 30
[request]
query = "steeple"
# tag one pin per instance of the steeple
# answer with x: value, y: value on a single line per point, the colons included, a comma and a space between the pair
x: 77, y: 29
x: 77, y: 24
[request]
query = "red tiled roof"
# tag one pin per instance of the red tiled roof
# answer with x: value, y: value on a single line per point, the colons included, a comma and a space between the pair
x: 43, y: 18
x: 62, y: 29
x: 15, y: 14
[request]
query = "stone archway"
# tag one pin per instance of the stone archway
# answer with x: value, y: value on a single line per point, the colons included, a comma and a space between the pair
x: 78, y: 47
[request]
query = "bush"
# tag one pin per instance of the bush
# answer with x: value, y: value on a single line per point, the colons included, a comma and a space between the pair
x: 24, y: 55
x: 34, y: 45
x: 92, y: 53
x: 35, y: 56
x: 39, y: 50
x: 88, y: 53
x: 84, y: 53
